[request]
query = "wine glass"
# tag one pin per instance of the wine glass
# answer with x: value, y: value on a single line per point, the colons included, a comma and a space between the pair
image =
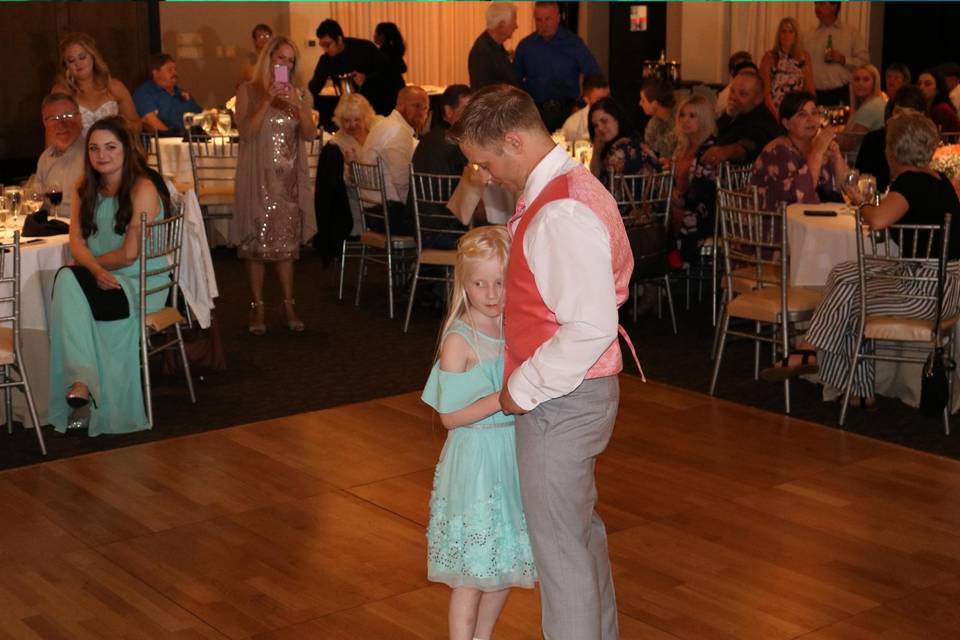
x: 188, y: 120
x: 824, y: 117
x: 207, y: 122
x: 4, y: 210
x: 14, y: 197
x: 54, y: 195
x: 224, y: 122
x: 867, y: 184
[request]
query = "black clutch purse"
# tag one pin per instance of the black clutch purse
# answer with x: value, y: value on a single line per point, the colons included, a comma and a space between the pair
x: 105, y: 304
x: 39, y: 225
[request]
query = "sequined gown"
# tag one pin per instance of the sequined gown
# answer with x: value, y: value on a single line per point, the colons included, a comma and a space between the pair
x: 273, y: 200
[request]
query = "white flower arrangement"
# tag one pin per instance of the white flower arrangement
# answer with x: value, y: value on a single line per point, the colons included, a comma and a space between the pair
x: 947, y: 160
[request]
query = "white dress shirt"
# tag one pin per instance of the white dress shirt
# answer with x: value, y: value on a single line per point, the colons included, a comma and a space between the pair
x: 845, y: 40
x: 575, y: 128
x: 568, y: 250
x: 391, y: 139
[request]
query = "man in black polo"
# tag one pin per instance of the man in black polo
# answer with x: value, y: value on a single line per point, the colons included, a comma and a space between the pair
x: 747, y: 126
x: 489, y: 62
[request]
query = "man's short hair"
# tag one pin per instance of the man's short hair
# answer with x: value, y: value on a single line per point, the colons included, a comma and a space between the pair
x: 492, y: 113
x: 659, y: 90
x: 594, y: 81
x: 499, y: 12
x: 260, y: 27
x: 58, y: 96
x: 907, y: 97
x: 329, y: 28
x: 746, y: 65
x: 902, y: 69
x: 736, y: 58
x: 452, y: 95
x: 157, y: 60
x: 949, y: 69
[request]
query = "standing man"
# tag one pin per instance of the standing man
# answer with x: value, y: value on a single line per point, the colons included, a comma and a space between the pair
x: 376, y: 80
x: 836, y: 49
x: 549, y: 64
x: 569, y: 270
x: 489, y: 62
x: 159, y: 101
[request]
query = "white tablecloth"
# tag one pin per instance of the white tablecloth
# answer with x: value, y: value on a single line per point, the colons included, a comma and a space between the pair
x: 817, y: 244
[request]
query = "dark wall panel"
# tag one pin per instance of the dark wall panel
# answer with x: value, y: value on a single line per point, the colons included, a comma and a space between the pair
x: 920, y: 34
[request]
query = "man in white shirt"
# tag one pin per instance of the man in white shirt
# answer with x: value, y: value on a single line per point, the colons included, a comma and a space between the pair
x: 60, y: 164
x: 836, y: 49
x: 569, y: 270
x: 393, y: 140
x: 594, y: 87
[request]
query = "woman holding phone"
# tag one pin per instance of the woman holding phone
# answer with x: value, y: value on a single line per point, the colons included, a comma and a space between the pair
x: 273, y: 201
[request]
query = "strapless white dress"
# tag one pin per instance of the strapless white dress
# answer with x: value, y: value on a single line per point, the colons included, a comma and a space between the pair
x: 108, y: 108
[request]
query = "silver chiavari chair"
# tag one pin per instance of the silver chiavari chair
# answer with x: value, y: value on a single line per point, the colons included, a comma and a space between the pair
x: 214, y: 163
x: 150, y: 141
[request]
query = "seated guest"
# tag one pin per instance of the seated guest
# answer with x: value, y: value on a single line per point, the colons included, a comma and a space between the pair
x: 787, y: 67
x: 939, y: 107
x: 746, y: 127
x: 951, y: 75
x: 260, y: 35
x: 393, y: 141
x: 866, y: 100
x: 370, y: 70
x: 435, y: 154
x: 796, y: 166
x: 897, y: 75
x: 658, y: 102
x: 917, y: 195
x: 489, y: 62
x: 872, y: 157
x: 95, y: 364
x: 616, y: 144
x: 85, y: 75
x: 694, y: 187
x: 733, y: 66
x: 61, y: 163
x: 160, y: 102
x: 576, y: 127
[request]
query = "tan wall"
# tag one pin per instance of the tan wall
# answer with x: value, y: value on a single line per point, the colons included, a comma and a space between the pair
x: 209, y: 41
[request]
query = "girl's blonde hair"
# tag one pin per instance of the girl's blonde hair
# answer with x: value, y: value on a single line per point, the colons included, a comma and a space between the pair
x: 476, y: 245
x: 705, y: 116
x: 263, y: 69
x: 797, y: 40
x: 101, y: 72
x: 855, y: 102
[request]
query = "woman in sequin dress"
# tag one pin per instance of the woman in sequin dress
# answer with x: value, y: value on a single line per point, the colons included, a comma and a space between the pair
x: 273, y: 202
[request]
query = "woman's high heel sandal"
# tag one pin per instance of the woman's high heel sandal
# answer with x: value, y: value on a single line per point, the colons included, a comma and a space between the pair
x: 78, y: 395
x: 257, y: 328
x: 289, y: 311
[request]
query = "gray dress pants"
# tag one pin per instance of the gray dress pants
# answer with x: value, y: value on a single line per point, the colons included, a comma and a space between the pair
x: 557, y: 446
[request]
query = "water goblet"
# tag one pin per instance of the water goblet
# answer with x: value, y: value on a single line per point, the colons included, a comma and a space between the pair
x: 867, y: 184
x: 224, y: 122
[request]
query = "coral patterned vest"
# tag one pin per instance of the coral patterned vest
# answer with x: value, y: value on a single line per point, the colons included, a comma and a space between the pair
x: 527, y: 321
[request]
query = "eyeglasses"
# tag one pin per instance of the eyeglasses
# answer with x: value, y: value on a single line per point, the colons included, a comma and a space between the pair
x: 63, y: 117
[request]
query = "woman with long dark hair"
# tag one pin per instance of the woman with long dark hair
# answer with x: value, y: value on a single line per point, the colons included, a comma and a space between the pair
x: 616, y: 144
x: 95, y: 364
x: 939, y: 107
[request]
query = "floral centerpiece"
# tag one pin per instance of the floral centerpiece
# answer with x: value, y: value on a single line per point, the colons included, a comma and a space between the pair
x: 947, y: 160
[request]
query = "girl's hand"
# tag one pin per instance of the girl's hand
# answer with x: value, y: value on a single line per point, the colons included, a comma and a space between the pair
x: 106, y: 280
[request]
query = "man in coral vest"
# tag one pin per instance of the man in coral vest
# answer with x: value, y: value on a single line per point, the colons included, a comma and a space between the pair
x: 569, y: 269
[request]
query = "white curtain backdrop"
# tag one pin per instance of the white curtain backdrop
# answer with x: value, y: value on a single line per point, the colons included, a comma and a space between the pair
x: 753, y: 25
x: 438, y: 35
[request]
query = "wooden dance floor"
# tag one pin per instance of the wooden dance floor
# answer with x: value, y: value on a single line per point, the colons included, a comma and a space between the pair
x: 725, y: 522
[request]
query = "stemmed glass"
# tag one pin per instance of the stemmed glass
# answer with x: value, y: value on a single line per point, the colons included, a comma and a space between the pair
x: 224, y: 122
x: 54, y: 194
x: 867, y: 185
x: 4, y: 210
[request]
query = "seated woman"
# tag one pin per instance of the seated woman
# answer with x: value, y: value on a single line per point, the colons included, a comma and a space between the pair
x: 97, y: 362
x: 85, y: 76
x: 793, y: 167
x: 354, y: 118
x: 917, y: 195
x: 694, y: 186
x: 939, y: 107
x: 871, y: 157
x: 866, y: 99
x: 616, y: 145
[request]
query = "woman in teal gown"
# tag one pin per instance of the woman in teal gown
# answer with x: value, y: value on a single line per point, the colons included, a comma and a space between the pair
x: 95, y: 364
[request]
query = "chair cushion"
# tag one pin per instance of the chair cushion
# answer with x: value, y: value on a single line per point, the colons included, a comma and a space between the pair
x: 163, y: 319
x: 7, y: 354
x: 903, y: 329
x: 764, y: 304
x: 439, y: 256
x: 745, y: 278
x: 379, y: 240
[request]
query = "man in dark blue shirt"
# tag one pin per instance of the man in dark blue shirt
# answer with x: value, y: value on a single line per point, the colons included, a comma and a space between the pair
x: 550, y: 63
x: 160, y: 102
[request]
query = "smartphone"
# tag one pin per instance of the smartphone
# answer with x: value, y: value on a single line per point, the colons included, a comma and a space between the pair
x: 281, y: 74
x: 820, y: 214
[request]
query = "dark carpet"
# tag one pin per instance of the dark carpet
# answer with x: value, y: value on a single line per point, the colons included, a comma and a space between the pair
x: 352, y: 354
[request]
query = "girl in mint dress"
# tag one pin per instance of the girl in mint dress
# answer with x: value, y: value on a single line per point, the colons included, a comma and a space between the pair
x: 477, y: 540
x: 95, y: 365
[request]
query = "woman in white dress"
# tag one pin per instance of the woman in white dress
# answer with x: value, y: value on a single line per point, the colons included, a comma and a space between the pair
x: 85, y: 76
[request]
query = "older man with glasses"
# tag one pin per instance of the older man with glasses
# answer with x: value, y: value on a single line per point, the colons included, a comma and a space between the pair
x: 61, y: 163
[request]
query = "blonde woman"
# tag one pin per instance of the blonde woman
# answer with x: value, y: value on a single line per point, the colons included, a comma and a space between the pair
x: 273, y: 200
x: 694, y: 191
x: 786, y: 67
x: 354, y: 118
x: 85, y: 75
x: 866, y: 100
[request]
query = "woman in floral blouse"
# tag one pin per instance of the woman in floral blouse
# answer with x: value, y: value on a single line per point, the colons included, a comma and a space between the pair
x: 694, y: 187
x: 616, y: 145
x: 787, y: 67
x: 793, y: 167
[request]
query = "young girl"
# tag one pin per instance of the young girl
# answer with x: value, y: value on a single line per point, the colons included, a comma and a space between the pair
x: 477, y: 539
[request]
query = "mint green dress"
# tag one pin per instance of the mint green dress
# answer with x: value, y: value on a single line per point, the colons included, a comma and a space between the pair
x: 477, y: 536
x: 104, y: 355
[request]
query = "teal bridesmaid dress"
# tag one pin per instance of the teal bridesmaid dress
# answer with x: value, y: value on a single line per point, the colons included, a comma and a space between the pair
x: 104, y: 355
x: 477, y: 536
